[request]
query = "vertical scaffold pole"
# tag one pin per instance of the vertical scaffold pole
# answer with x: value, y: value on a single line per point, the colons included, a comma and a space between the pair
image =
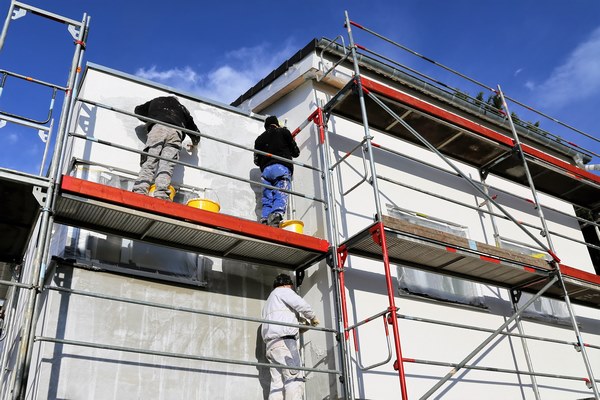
x: 319, y: 120
x: 25, y: 348
x: 11, y: 9
x: 555, y: 259
x: 392, y: 304
x: 365, y: 120
x: 534, y: 385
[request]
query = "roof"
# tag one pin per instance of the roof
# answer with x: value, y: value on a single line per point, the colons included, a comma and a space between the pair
x: 388, y: 73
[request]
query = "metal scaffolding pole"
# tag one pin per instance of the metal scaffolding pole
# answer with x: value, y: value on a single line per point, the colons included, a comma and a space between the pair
x: 455, y: 168
x: 176, y: 355
x: 26, y: 344
x: 319, y: 120
x: 555, y: 261
x: 471, y: 80
x: 488, y: 340
x: 536, y: 390
x: 382, y: 241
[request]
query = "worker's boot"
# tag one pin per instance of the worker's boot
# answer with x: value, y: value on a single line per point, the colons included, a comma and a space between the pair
x: 274, y: 219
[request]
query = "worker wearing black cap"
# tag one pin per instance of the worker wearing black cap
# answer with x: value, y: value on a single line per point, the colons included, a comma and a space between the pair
x: 163, y: 141
x: 277, y: 141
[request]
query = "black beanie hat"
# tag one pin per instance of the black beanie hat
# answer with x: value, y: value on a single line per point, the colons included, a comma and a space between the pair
x: 271, y: 120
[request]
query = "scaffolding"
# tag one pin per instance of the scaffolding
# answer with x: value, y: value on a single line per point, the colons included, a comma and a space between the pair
x: 61, y: 198
x: 67, y: 200
x: 390, y: 240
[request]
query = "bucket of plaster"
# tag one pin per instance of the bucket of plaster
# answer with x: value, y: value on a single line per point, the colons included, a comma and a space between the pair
x: 171, y: 191
x: 292, y: 225
x: 205, y: 199
x: 204, y: 204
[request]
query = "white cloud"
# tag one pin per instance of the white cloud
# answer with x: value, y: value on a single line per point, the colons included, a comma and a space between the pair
x: 240, y: 69
x: 12, y: 138
x: 578, y: 78
x: 530, y: 85
x: 518, y: 71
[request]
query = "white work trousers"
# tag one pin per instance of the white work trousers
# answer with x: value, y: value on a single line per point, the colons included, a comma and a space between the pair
x: 286, y: 384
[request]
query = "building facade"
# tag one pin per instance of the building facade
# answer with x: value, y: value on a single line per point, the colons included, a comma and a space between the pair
x: 420, y: 252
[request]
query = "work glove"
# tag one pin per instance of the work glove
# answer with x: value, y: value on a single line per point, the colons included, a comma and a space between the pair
x: 315, y: 321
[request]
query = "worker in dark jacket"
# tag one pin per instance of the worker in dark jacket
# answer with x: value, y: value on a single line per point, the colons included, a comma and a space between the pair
x: 162, y: 141
x: 277, y: 141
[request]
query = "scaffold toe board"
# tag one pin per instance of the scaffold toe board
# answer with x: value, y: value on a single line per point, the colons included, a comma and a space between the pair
x: 474, y: 143
x: 20, y: 211
x: 111, y: 210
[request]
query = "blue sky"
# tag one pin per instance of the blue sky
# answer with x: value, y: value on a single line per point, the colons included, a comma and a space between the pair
x: 543, y: 53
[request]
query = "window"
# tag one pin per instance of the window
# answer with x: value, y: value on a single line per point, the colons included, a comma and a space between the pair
x: 523, y: 249
x: 427, y: 284
x: 132, y: 257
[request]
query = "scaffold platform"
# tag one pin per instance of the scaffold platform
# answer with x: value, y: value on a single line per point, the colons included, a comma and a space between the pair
x: 111, y: 210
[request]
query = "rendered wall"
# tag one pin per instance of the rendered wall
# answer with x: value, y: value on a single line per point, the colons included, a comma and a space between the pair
x: 230, y: 287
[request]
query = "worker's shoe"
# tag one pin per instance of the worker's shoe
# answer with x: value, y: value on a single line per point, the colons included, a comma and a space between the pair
x: 162, y: 196
x: 264, y: 221
x: 274, y: 220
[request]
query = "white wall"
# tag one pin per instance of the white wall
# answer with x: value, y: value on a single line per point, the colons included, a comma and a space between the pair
x: 232, y: 288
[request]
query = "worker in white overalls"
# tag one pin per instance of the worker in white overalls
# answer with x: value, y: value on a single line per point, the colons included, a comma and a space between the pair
x: 284, y: 305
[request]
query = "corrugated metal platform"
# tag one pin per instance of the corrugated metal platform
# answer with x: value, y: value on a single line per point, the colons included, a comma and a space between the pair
x: 440, y: 252
x: 469, y: 142
x: 111, y: 210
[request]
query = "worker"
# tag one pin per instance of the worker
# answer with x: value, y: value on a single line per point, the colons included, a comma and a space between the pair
x: 162, y: 141
x: 284, y: 305
x: 277, y: 141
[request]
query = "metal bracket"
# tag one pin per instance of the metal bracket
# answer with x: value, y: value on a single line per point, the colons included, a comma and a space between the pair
x: 40, y: 195
x: 376, y: 235
x: 73, y: 31
x: 329, y: 258
x: 483, y: 173
x: 299, y: 277
x: 18, y: 13
x: 515, y: 295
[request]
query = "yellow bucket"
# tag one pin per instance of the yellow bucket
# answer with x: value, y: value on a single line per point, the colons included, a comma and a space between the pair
x: 204, y: 204
x: 293, y: 225
x: 171, y: 191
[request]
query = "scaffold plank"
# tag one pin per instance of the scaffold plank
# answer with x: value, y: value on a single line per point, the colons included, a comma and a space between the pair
x: 95, y: 206
x: 428, y: 249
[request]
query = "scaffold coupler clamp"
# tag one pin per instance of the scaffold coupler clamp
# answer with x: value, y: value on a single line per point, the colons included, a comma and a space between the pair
x: 515, y: 295
x: 299, y: 277
x: 392, y: 314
